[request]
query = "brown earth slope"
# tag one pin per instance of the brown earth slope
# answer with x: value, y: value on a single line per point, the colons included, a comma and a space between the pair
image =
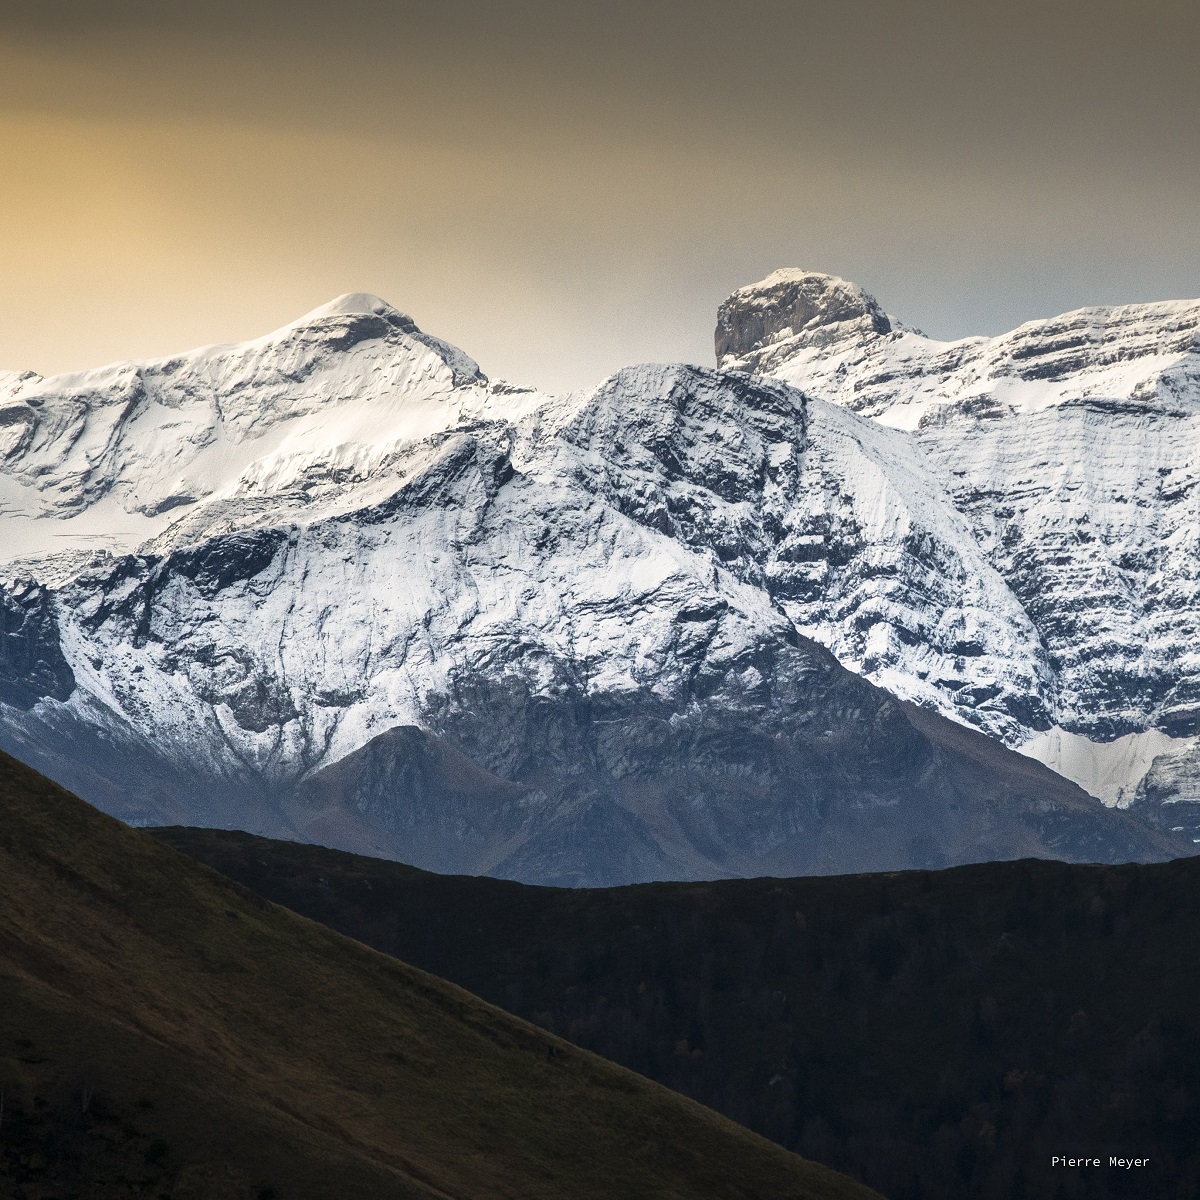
x: 166, y: 1033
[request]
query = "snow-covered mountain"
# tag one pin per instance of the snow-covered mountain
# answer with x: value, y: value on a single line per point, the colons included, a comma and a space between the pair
x: 336, y: 583
x: 1072, y: 448
x: 304, y: 420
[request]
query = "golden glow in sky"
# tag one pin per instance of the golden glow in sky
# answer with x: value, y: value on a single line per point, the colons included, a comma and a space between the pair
x: 562, y: 195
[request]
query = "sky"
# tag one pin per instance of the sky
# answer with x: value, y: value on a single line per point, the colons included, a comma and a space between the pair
x: 562, y: 189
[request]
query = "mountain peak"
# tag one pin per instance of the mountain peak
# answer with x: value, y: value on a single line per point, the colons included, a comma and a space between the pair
x: 361, y: 311
x: 375, y: 317
x: 787, y: 303
x: 350, y: 304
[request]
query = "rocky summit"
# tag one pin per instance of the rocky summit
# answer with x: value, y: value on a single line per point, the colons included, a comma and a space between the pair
x: 795, y: 304
x: 337, y: 585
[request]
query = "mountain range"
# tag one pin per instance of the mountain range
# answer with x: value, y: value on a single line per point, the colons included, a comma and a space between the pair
x: 1070, y: 447
x: 796, y: 614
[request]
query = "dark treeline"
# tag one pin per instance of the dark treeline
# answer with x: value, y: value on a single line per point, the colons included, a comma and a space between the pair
x: 936, y: 1034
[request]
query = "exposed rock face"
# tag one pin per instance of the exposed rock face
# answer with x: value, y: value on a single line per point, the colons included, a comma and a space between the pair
x: 596, y: 616
x: 32, y: 665
x: 1070, y: 445
x: 789, y: 306
x: 1171, y: 782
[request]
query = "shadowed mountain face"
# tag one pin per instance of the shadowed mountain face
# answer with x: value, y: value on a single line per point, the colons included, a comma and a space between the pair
x: 603, y: 797
x: 164, y: 1032
x: 937, y: 1034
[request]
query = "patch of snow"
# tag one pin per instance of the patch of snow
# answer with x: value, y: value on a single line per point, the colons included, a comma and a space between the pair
x: 1111, y: 771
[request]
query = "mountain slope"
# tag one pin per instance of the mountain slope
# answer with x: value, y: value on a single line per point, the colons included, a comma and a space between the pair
x: 163, y: 1024
x: 913, y: 789
x: 1070, y: 446
x: 939, y: 1034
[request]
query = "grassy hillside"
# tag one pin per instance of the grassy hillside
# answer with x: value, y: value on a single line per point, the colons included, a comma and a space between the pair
x: 938, y: 1034
x: 165, y: 1033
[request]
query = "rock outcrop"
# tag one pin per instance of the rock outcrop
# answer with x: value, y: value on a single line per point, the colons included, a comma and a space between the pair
x: 793, y: 306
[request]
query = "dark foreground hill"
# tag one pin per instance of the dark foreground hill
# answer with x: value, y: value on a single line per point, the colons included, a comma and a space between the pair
x: 938, y: 1034
x: 165, y: 1033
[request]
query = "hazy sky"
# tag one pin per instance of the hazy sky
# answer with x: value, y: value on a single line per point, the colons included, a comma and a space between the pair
x: 562, y: 189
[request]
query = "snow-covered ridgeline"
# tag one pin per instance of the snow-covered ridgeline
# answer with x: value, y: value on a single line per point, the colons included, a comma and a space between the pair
x: 1070, y: 445
x: 307, y: 418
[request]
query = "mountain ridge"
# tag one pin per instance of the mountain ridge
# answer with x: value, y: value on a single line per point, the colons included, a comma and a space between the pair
x: 1069, y: 447
x: 938, y: 1034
